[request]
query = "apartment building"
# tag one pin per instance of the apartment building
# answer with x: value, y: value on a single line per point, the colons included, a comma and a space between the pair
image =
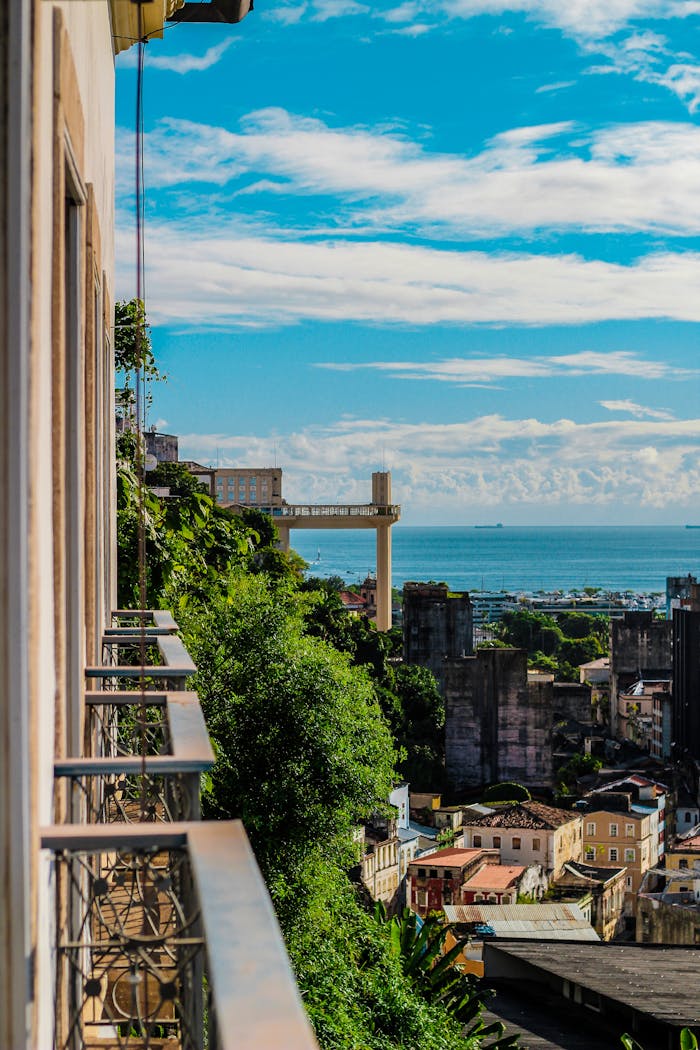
x: 613, y: 834
x: 528, y: 833
x: 75, y: 850
x: 438, y: 879
x: 259, y: 487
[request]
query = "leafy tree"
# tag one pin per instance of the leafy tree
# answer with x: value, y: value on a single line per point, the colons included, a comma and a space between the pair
x: 506, y: 791
x: 132, y: 341
x: 416, y: 714
x: 303, y: 751
x: 577, y: 766
x: 435, y: 973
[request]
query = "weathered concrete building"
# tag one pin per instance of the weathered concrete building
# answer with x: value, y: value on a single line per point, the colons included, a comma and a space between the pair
x: 165, y: 447
x: 686, y: 676
x: 640, y: 648
x: 498, y: 720
x: 437, y: 625
x: 572, y: 700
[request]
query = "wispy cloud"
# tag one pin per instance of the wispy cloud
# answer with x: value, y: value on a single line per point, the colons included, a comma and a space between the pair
x: 581, y: 19
x: 323, y: 10
x: 638, y: 411
x: 489, y: 460
x: 183, y: 63
x: 554, y: 177
x: 467, y: 371
x: 225, y: 276
x: 560, y: 85
x: 646, y: 56
x: 596, y: 25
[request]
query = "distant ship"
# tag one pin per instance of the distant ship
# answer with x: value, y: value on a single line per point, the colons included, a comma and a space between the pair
x: 692, y: 526
x: 499, y: 525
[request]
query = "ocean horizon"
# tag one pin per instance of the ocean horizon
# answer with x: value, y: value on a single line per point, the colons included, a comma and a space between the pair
x: 512, y: 558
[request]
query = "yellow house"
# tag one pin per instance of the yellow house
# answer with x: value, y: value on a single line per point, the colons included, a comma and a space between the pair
x: 617, y: 837
x: 684, y: 858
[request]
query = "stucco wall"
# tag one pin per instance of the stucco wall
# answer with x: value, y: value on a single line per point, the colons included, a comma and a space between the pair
x: 497, y: 724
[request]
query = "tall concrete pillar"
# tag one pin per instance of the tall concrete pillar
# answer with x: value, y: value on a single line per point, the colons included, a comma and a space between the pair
x: 381, y: 488
x: 383, y: 617
x: 283, y: 531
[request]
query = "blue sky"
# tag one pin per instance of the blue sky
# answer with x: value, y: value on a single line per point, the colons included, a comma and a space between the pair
x: 458, y: 239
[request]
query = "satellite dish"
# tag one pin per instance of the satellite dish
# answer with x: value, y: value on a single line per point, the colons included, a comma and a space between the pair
x: 150, y: 462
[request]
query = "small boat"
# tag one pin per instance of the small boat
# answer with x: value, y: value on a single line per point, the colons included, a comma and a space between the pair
x: 498, y: 525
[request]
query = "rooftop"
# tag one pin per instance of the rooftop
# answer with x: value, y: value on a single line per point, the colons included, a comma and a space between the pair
x: 592, y: 872
x: 534, y: 815
x: 657, y: 981
x: 551, y: 921
x: 494, y: 877
x: 450, y: 858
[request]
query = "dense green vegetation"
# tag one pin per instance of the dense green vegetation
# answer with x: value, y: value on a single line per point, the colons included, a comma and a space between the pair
x: 506, y: 791
x: 301, y: 703
x: 554, y: 643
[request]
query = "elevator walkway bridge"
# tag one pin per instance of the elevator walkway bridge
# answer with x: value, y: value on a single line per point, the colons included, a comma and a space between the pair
x: 378, y: 516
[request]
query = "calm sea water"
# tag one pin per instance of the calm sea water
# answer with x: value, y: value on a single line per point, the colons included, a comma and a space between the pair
x: 519, y: 559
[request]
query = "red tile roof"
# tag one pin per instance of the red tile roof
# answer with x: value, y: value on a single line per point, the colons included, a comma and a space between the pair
x: 533, y: 815
x: 447, y: 858
x: 494, y: 877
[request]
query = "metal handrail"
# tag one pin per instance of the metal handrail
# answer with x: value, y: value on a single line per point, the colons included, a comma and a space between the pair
x: 161, y: 620
x: 107, y: 784
x: 215, y: 914
x: 368, y: 510
x: 176, y: 668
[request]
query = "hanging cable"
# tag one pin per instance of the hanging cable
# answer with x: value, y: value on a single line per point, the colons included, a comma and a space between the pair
x: 140, y: 381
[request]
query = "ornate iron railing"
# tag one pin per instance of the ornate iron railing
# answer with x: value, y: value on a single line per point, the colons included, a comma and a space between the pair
x: 157, y: 912
x: 152, y: 917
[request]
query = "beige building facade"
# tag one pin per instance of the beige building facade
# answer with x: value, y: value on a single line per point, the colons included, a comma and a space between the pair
x: 529, y: 833
x: 624, y: 838
x: 259, y: 487
x: 57, y: 539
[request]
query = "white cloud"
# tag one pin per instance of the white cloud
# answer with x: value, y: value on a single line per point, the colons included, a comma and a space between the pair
x: 487, y: 461
x: 558, y: 86
x: 582, y: 19
x: 468, y: 371
x: 180, y: 63
x: 646, y: 57
x: 323, y: 10
x: 287, y: 15
x: 224, y: 277
x: 638, y: 411
x: 634, y: 177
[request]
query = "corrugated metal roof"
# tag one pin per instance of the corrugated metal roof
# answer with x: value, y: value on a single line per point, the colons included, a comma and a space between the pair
x: 550, y: 922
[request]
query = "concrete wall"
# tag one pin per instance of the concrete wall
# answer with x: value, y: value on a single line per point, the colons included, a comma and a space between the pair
x: 572, y: 700
x: 638, y: 642
x: 57, y: 568
x: 661, y: 923
x: 437, y: 625
x: 498, y: 725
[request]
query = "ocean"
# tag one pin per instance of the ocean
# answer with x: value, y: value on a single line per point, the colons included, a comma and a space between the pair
x: 616, y: 558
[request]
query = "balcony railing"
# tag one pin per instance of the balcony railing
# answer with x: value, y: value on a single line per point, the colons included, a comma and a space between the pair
x: 144, y: 762
x: 151, y: 918
x: 167, y: 663
x: 155, y: 910
x: 331, y: 510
